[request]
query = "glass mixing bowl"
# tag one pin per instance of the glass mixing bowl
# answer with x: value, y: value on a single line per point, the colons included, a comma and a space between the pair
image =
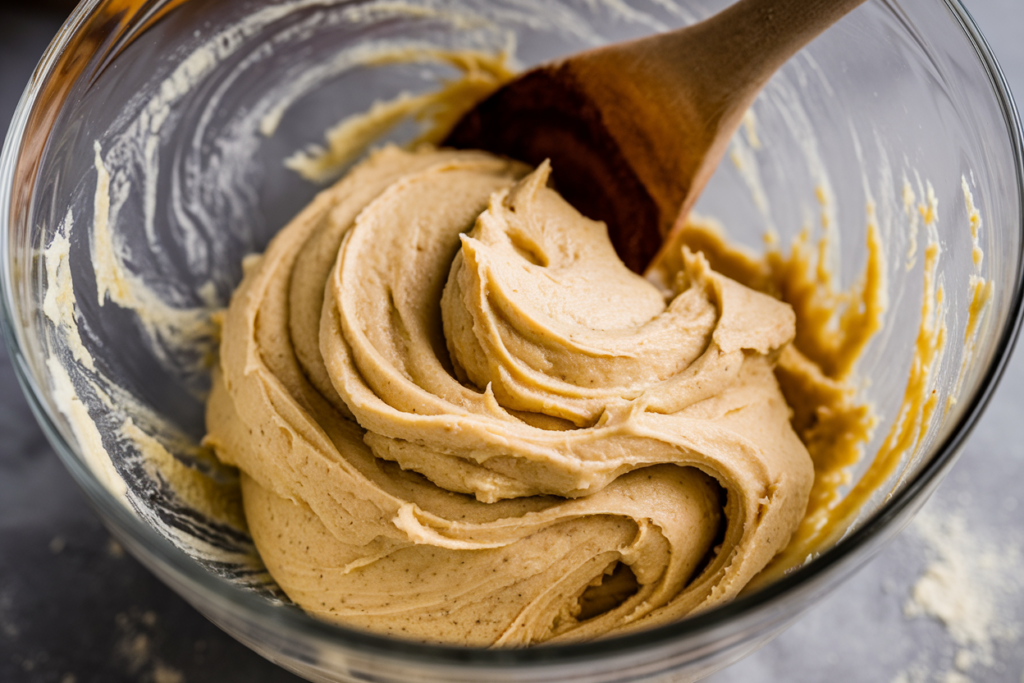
x: 159, y: 129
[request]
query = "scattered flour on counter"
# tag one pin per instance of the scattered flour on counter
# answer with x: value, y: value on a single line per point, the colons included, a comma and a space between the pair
x: 954, y: 677
x: 114, y: 549
x: 969, y: 586
x: 165, y: 674
x: 135, y: 649
x: 8, y: 628
x: 917, y: 673
x: 964, y: 660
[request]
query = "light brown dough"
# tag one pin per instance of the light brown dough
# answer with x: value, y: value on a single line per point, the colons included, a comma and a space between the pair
x: 460, y: 418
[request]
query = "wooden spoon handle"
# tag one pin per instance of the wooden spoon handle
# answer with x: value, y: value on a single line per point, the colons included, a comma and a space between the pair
x: 672, y: 101
x: 732, y: 55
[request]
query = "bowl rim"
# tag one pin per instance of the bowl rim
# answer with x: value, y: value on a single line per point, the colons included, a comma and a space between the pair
x: 174, y: 566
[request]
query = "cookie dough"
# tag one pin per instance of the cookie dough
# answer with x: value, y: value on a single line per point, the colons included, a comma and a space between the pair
x: 460, y: 418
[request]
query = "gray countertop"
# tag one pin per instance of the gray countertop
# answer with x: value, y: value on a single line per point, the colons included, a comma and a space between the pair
x: 75, y: 609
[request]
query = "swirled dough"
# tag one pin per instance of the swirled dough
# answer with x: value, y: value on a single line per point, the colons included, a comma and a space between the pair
x: 460, y: 418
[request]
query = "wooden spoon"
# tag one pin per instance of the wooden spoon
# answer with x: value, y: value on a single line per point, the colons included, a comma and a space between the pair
x: 634, y: 130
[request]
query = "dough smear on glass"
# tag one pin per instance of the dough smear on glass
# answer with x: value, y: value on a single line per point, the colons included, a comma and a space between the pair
x: 460, y: 418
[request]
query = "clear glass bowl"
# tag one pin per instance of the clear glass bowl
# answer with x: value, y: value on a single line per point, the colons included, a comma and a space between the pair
x: 192, y: 108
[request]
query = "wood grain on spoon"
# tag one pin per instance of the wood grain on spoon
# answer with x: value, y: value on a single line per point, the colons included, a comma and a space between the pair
x: 634, y: 130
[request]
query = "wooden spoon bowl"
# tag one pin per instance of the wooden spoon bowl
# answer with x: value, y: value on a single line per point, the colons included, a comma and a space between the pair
x: 634, y: 130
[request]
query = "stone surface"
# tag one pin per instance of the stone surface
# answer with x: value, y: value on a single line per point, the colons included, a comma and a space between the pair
x: 74, y: 608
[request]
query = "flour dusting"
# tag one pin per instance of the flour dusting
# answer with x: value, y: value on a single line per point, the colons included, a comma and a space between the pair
x: 969, y: 586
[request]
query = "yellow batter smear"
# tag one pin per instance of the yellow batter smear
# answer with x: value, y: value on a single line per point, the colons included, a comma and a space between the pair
x: 750, y: 128
x: 815, y: 372
x: 59, y: 307
x: 829, y: 513
x: 913, y: 223
x: 974, y: 217
x: 59, y: 300
x: 217, y: 497
x: 824, y: 526
x: 981, y: 294
x: 171, y: 327
x: 218, y: 501
x: 929, y: 210
x: 111, y: 278
x: 980, y: 291
x: 437, y: 111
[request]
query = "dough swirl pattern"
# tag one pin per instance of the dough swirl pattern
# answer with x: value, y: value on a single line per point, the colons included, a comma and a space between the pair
x: 460, y: 418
